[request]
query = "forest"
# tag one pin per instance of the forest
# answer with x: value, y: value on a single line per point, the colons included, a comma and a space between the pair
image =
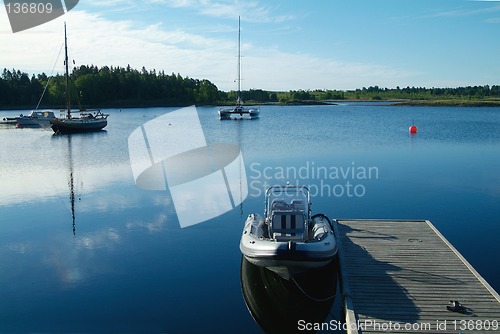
x: 120, y: 87
x: 105, y: 87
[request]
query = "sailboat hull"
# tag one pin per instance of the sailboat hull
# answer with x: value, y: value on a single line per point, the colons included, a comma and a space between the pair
x: 227, y: 113
x: 77, y: 125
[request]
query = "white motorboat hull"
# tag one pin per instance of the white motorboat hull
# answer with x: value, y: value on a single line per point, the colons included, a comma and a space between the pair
x: 291, y: 257
x: 26, y: 122
x: 36, y: 119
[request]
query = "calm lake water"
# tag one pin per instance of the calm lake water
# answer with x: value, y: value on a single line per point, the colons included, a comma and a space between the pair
x: 83, y: 249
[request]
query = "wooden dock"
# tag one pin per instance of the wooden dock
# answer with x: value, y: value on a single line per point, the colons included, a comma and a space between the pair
x: 400, y: 276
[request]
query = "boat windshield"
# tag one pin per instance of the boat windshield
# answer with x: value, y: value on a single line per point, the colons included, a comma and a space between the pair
x: 288, y: 198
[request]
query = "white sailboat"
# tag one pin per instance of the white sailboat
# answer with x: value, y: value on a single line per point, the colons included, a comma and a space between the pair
x: 239, y: 108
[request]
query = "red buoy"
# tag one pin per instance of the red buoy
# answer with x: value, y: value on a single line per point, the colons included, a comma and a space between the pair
x: 412, y: 130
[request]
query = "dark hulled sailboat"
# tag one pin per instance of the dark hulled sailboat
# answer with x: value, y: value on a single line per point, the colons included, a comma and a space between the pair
x: 87, y: 120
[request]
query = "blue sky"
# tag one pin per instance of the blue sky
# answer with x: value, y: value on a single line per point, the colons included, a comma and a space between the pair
x: 286, y: 44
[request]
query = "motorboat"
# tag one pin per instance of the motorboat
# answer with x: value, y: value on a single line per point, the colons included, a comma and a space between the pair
x: 36, y: 118
x: 288, y: 240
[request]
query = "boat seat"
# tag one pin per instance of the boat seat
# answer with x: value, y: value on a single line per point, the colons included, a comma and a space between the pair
x: 298, y: 205
x: 279, y: 204
x: 288, y: 226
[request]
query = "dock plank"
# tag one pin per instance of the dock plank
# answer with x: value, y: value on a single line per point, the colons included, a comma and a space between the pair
x: 403, y: 274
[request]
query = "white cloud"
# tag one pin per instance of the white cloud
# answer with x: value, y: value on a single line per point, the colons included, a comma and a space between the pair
x: 493, y: 20
x: 285, y: 71
x: 252, y: 11
x: 95, y: 40
x: 462, y: 12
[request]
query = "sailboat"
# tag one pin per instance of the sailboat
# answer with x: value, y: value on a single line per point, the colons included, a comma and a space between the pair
x: 239, y: 108
x: 87, y: 120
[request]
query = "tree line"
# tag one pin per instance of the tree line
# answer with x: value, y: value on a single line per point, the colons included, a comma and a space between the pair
x: 422, y: 93
x: 105, y: 86
x: 370, y: 93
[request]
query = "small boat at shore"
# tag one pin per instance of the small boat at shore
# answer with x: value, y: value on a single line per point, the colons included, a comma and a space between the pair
x: 8, y: 120
x: 35, y: 119
x: 288, y: 240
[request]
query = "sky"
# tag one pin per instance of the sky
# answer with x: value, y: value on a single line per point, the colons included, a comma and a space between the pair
x: 285, y: 44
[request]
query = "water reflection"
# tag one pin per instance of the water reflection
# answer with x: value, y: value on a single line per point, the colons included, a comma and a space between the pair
x: 69, y: 163
x: 34, y: 165
x: 278, y: 305
x: 71, y: 183
x: 171, y: 153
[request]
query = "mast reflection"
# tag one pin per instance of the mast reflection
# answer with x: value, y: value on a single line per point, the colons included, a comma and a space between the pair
x: 71, y: 184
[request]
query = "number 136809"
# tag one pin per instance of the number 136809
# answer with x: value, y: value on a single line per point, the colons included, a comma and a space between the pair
x: 29, y: 8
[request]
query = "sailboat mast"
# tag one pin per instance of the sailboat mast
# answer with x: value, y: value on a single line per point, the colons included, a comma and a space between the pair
x: 239, y: 61
x: 68, y: 101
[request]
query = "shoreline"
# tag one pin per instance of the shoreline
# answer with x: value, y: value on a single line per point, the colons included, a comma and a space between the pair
x: 394, y: 102
x: 449, y: 103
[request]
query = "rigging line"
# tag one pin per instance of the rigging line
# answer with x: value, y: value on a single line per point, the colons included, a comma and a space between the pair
x: 50, y: 77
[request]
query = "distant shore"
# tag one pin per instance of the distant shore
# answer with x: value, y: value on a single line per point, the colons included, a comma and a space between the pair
x: 406, y: 102
x: 449, y: 103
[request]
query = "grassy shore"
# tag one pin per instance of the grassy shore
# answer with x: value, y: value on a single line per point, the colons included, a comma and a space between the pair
x: 451, y: 103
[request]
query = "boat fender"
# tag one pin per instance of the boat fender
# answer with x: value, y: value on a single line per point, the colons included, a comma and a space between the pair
x: 319, y: 231
x: 257, y: 225
x: 321, y: 217
x: 256, y: 219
